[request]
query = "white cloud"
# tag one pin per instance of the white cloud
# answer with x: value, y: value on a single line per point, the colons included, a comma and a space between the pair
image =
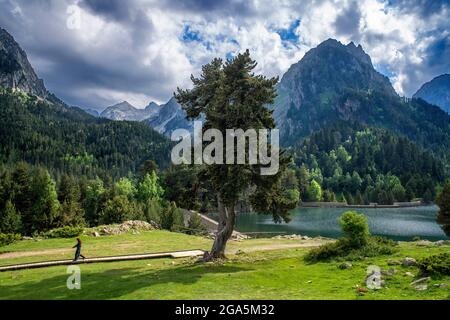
x: 136, y: 51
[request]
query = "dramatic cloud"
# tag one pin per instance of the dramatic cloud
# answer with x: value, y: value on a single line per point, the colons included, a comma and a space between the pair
x: 94, y: 53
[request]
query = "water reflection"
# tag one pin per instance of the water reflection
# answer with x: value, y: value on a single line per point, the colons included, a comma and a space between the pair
x: 397, y: 223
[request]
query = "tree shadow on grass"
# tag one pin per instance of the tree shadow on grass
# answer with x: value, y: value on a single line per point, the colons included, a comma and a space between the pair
x: 116, y: 283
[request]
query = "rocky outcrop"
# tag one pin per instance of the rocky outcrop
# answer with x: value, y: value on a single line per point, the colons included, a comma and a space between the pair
x: 16, y: 71
x: 127, y: 227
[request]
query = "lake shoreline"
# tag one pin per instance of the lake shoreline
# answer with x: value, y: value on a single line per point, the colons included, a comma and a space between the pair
x: 396, y: 205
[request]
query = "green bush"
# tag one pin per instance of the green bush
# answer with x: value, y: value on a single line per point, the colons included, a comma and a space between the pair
x: 195, y: 225
x: 355, y: 245
x: 9, y: 238
x: 355, y: 228
x: 435, y: 265
x: 171, y: 218
x: 64, y: 232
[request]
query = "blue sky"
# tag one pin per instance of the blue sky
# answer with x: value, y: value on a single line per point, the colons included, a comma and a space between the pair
x: 142, y: 50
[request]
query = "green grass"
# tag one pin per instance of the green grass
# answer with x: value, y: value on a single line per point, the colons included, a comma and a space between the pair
x: 275, y: 274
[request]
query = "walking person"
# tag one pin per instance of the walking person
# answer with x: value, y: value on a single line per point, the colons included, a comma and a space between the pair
x: 78, y: 251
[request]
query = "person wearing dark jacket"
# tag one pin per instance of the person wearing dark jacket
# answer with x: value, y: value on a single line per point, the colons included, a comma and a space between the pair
x: 78, y: 252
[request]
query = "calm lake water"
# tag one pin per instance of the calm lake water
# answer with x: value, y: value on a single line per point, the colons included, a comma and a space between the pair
x: 394, y: 223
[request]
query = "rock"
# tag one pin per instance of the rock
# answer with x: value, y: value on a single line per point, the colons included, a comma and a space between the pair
x: 374, y: 280
x: 409, y: 262
x: 442, y: 243
x: 389, y: 272
x: 27, y: 238
x: 424, y: 243
x: 421, y: 284
x: 345, y: 265
x: 96, y: 234
x: 409, y: 274
x: 392, y: 262
x: 361, y: 291
x: 240, y: 252
x: 128, y: 226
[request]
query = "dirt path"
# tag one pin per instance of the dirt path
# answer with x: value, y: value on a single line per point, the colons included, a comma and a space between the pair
x: 12, y: 255
x: 279, y: 246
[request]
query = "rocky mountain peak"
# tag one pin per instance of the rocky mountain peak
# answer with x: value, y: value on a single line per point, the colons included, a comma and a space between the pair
x: 327, y: 83
x: 16, y: 71
x: 436, y: 92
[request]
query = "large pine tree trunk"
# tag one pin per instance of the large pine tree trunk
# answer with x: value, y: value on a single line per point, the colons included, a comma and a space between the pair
x: 227, y: 220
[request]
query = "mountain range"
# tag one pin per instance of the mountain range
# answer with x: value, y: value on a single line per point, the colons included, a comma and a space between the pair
x: 336, y: 82
x: 436, y: 92
x: 331, y: 83
x: 163, y: 118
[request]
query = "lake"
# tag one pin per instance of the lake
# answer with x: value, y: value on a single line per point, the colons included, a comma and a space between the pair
x: 395, y: 223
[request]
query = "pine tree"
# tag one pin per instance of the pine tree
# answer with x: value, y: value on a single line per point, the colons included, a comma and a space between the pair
x: 46, y: 207
x: 230, y: 96
x: 10, y: 221
x: 23, y: 195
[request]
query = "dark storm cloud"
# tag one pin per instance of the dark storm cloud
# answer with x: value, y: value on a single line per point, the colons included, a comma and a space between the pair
x: 347, y: 23
x: 223, y: 7
x: 93, y: 70
x: 119, y: 10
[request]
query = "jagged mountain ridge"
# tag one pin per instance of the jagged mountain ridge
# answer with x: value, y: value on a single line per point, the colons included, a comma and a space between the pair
x: 124, y: 111
x: 16, y: 71
x: 335, y: 82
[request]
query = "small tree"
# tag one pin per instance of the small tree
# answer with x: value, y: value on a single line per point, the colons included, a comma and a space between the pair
x: 195, y: 225
x: 10, y: 221
x: 171, y: 217
x: 126, y: 188
x: 46, y: 207
x: 314, y: 192
x: 118, y: 210
x: 355, y: 228
x: 95, y: 194
x: 149, y: 188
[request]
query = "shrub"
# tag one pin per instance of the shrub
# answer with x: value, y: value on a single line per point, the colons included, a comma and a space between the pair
x: 355, y: 228
x: 195, y: 225
x: 9, y: 238
x: 171, y: 218
x: 64, y: 232
x: 435, y: 265
x: 355, y: 245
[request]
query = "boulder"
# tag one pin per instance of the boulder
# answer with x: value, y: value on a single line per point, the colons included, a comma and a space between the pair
x: 442, y: 243
x: 421, y: 284
x: 424, y: 243
x: 389, y: 272
x: 392, y: 262
x: 409, y: 262
x: 345, y: 265
x: 374, y: 279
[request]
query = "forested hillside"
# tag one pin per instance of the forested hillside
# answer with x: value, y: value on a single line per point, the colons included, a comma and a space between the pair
x: 68, y: 140
x: 352, y: 162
